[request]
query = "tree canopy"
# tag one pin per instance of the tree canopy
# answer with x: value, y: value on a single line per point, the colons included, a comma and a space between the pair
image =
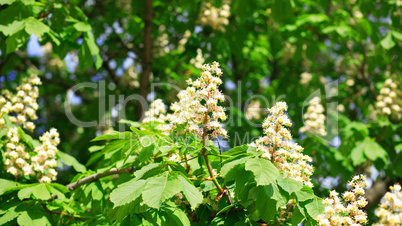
x: 90, y: 68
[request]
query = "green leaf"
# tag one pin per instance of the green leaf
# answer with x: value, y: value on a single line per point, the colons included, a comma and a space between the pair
x: 127, y: 192
x: 34, y: 26
x: 146, y: 153
x: 298, y: 215
x: 5, y: 184
x: 302, y: 196
x: 159, y: 189
x: 25, y: 193
x: 282, y: 11
x: 357, y: 155
x: 95, y: 148
x: 165, y: 149
x: 131, y: 123
x: 147, y: 140
x: 90, y: 40
x: 71, y: 161
x: 85, y: 57
x: 41, y: 192
x: 33, y: 216
x: 374, y: 150
x: 229, y: 164
x: 315, y: 207
x: 114, y: 136
x: 26, y: 138
x: 16, y: 40
x: 237, y: 150
x: 149, y: 168
x: 7, y: 2
x: 10, y: 215
x: 397, y: 35
x: 82, y: 26
x: 57, y: 189
x: 264, y: 171
x: 371, y: 150
x: 289, y: 185
x: 193, y: 195
x: 178, y: 216
x: 387, y: 42
x: 12, y: 28
x: 28, y: 2
x: 343, y: 30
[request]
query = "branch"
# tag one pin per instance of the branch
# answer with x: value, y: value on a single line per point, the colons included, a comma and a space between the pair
x: 4, y: 62
x: 66, y: 86
x: 146, y: 61
x: 97, y: 176
x: 111, y: 72
x: 375, y: 193
x: 364, y: 75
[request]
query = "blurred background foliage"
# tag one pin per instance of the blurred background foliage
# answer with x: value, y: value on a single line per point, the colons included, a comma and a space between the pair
x: 284, y: 50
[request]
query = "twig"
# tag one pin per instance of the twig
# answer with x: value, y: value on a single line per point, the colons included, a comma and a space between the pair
x: 61, y: 213
x: 224, y: 183
x: 97, y: 176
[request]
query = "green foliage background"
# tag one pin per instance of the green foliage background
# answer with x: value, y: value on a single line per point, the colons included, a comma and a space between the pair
x: 263, y: 50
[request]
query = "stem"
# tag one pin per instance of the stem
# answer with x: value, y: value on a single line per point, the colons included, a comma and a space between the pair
x: 62, y: 213
x: 212, y: 174
x: 224, y: 183
x: 275, y: 146
x: 185, y: 155
x: 204, y: 140
x: 201, y: 179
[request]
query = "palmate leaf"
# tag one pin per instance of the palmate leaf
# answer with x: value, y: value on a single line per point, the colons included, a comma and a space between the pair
x: 178, y: 216
x: 315, y: 207
x: 34, y: 26
x: 39, y: 191
x: 127, y: 192
x: 159, y: 189
x: 33, y: 216
x: 10, y: 215
x: 229, y: 164
x: 5, y: 184
x: 193, y: 195
x: 71, y: 161
x: 264, y: 171
x: 289, y: 185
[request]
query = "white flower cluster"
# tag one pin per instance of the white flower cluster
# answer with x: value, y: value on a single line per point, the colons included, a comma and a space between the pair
x: 254, y: 110
x: 156, y: 112
x: 305, y: 78
x: 277, y: 148
x: 40, y: 163
x: 162, y: 42
x: 314, y: 118
x: 390, y: 210
x: 390, y: 99
x: 217, y: 18
x: 182, y: 43
x: 346, y: 210
x: 199, y: 60
x: 198, y: 103
x: 21, y: 108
